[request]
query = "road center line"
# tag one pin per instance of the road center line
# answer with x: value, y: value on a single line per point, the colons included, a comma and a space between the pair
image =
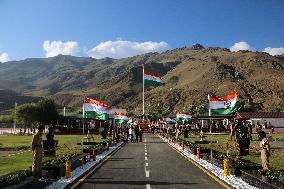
x: 146, y: 158
x: 145, y: 153
x: 147, y: 174
x: 148, y: 186
x: 147, y: 164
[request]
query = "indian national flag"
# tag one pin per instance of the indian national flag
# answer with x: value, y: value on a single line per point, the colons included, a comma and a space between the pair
x: 162, y: 121
x: 153, y: 79
x: 181, y: 116
x: 94, y: 109
x: 224, y: 105
x: 170, y: 120
x: 120, y: 118
x: 130, y: 121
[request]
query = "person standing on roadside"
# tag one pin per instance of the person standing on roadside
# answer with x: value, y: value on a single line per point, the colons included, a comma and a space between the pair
x: 265, y: 151
x: 127, y: 132
x: 136, y: 131
x: 130, y: 131
x: 140, y: 133
x: 37, y: 152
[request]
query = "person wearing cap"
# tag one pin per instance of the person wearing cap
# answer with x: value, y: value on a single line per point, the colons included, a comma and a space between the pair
x: 37, y: 152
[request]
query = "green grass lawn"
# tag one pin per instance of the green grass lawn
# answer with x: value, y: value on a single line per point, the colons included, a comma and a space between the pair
x: 66, y: 144
x: 224, y: 144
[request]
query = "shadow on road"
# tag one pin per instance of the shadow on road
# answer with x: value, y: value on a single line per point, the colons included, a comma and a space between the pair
x: 120, y: 168
x: 94, y: 181
x: 121, y: 158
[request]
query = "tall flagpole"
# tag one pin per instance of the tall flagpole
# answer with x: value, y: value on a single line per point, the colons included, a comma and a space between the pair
x: 16, y: 104
x: 209, y: 109
x: 143, y: 93
x: 209, y: 112
x: 84, y: 116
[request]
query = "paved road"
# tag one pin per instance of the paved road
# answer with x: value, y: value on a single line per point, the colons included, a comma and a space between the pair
x: 150, y: 164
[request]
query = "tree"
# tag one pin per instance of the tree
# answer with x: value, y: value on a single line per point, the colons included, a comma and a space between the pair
x: 47, y: 112
x: 43, y: 112
x: 26, y: 114
x: 6, y: 119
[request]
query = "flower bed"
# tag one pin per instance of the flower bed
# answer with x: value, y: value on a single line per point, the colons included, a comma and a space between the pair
x: 238, y: 166
x: 55, y: 168
x: 14, y: 178
x: 254, y: 177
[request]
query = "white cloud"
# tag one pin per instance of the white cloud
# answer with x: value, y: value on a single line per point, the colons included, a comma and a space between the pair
x: 55, y: 48
x: 122, y: 49
x: 274, y: 51
x: 242, y: 45
x: 4, y: 57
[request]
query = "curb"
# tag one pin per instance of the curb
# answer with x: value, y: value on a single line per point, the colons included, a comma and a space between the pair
x: 69, y: 183
x: 228, y: 182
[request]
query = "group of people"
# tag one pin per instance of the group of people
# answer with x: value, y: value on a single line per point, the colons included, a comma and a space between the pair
x: 134, y: 134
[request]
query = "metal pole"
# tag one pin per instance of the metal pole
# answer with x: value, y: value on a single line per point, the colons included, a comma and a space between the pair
x: 84, y: 118
x: 83, y: 129
x: 211, y: 152
x: 14, y: 118
x: 143, y: 93
x: 209, y: 112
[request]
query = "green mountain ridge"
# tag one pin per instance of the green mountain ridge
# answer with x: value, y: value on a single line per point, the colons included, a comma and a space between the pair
x: 190, y: 74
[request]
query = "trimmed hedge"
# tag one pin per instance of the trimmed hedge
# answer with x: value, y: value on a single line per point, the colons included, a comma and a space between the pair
x: 14, y: 178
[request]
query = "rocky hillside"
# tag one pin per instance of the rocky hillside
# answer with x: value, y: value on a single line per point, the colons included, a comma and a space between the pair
x: 190, y: 74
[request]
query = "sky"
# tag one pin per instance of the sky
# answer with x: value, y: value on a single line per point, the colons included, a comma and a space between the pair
x: 123, y: 28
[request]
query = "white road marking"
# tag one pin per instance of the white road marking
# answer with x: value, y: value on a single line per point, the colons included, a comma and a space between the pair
x: 145, y: 140
x: 148, y: 186
x: 146, y: 158
x: 147, y: 164
x: 145, y: 153
x: 147, y: 174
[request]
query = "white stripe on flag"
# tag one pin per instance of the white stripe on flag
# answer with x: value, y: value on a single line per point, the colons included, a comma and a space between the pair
x: 222, y: 104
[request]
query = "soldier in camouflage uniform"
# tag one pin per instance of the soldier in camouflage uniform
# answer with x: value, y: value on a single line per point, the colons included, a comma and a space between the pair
x: 37, y: 152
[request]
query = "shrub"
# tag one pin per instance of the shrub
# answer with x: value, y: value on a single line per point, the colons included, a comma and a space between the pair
x: 14, y: 178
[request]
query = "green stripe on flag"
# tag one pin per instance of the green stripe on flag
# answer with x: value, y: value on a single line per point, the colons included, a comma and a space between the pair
x: 96, y: 115
x: 153, y: 83
x: 121, y: 121
x: 183, y: 119
x: 228, y: 111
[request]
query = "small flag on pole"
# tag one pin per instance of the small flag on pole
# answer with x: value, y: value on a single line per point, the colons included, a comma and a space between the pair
x: 181, y: 116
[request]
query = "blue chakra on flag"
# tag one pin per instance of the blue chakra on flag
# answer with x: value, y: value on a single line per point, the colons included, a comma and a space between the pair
x: 227, y: 104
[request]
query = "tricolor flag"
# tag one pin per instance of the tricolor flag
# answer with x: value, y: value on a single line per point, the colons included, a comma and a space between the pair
x: 94, y: 109
x: 153, y: 79
x: 181, y: 116
x: 170, y: 120
x: 130, y: 121
x: 120, y: 118
x: 162, y: 121
x: 224, y: 105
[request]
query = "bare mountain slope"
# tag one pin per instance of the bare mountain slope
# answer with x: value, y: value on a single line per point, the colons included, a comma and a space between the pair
x: 190, y: 74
